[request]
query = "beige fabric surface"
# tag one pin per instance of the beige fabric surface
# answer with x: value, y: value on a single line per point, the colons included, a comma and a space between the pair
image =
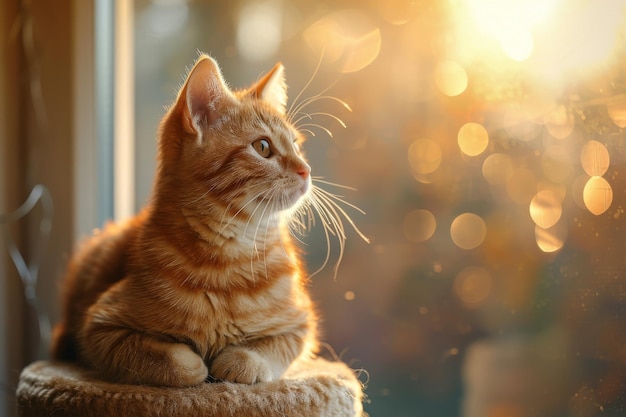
x: 309, y: 388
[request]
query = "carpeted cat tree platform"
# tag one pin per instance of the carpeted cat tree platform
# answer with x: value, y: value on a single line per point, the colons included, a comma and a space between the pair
x: 308, y: 389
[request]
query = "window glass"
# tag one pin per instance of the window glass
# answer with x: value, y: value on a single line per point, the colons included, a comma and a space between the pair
x: 485, y: 142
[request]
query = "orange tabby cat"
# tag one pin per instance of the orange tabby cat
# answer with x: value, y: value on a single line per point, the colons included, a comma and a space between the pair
x: 205, y: 280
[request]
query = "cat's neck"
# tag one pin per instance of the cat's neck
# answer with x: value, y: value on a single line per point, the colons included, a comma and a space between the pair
x: 195, y: 252
x: 210, y: 225
x: 220, y: 228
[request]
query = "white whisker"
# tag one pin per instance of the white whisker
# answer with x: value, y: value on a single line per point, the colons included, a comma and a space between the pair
x: 340, y: 199
x: 319, y: 97
x: 328, y: 207
x: 309, y: 116
x: 328, y: 132
x: 307, y: 85
x: 233, y: 217
x: 334, y: 184
x: 310, y: 132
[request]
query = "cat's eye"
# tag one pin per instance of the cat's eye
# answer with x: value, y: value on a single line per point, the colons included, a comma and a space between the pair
x: 262, y: 146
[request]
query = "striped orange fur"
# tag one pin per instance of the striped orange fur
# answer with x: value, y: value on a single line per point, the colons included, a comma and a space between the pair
x: 205, y: 279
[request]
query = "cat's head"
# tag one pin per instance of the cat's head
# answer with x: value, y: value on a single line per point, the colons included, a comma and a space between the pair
x: 235, y: 149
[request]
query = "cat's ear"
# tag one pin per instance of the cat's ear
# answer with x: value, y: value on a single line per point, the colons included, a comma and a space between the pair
x: 272, y: 88
x: 204, y: 88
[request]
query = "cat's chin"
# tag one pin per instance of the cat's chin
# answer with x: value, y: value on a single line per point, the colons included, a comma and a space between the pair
x: 300, y: 193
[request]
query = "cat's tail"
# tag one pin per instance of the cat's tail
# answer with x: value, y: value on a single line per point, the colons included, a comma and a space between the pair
x: 63, y: 346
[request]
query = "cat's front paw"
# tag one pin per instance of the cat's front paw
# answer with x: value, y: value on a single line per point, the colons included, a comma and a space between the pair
x: 238, y: 364
x: 189, y: 369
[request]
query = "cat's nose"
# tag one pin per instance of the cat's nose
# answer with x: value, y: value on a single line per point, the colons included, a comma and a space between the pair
x: 304, y: 170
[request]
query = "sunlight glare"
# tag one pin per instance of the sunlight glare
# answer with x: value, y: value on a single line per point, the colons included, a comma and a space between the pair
x: 559, y: 122
x: 517, y: 45
x: 510, y: 22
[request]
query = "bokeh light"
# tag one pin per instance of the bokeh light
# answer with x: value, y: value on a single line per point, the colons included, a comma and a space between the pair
x: 595, y: 158
x: 450, y: 78
x: 165, y: 18
x: 559, y: 122
x: 396, y: 12
x: 551, y: 239
x: 473, y: 285
x: 545, y: 209
x: 521, y: 126
x: 473, y: 139
x: 348, y: 38
x: 597, y: 195
x: 511, y: 115
x: 497, y: 168
x: 617, y: 111
x: 259, y: 30
x: 419, y: 225
x: 468, y: 231
x: 424, y: 156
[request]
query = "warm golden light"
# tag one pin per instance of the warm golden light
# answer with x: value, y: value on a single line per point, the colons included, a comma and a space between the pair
x: 517, y: 45
x: 424, y: 156
x: 473, y: 285
x: 259, y: 30
x: 545, y: 209
x: 468, y: 231
x: 559, y: 122
x: 595, y: 158
x: 553, y: 38
x: 522, y: 185
x: 578, y: 187
x: 617, y: 111
x: 556, y: 163
x: 473, y: 139
x: 510, y: 23
x: 419, y: 225
x: 598, y: 195
x: 551, y: 239
x: 396, y: 12
x: 348, y: 38
x: 450, y: 78
x: 497, y: 168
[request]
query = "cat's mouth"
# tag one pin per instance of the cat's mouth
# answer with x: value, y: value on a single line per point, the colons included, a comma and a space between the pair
x: 298, y: 193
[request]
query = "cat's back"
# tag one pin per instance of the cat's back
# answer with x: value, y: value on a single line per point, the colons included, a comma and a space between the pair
x: 97, y: 264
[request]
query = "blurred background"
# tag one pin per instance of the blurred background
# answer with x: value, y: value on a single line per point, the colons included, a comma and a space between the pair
x: 484, y: 141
